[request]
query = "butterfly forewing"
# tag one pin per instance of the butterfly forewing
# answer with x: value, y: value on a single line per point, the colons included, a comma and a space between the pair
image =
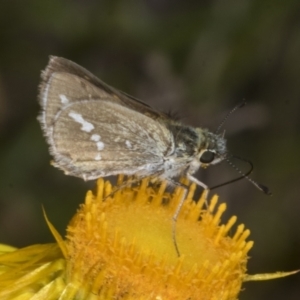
x: 64, y: 81
x: 63, y: 89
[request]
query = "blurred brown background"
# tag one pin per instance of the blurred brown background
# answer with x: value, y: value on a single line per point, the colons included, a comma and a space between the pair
x: 196, y: 58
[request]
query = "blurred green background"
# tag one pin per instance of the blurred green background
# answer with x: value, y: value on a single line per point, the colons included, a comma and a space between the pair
x: 195, y: 58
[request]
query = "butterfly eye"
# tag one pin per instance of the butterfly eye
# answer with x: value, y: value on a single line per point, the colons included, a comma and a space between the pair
x: 207, y: 157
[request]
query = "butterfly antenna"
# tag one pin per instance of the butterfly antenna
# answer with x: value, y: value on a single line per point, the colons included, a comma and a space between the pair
x: 243, y: 103
x: 259, y: 186
x: 235, y: 179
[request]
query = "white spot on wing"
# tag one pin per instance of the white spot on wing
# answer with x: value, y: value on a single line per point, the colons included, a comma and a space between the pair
x: 63, y: 99
x: 95, y: 137
x: 98, y: 157
x: 128, y: 144
x: 86, y: 126
x: 100, y: 146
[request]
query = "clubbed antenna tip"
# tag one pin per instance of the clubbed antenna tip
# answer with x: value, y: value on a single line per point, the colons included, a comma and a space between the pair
x: 242, y: 104
x: 264, y: 189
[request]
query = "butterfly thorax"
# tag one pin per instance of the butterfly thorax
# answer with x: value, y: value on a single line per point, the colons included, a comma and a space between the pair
x: 185, y: 140
x: 191, y: 143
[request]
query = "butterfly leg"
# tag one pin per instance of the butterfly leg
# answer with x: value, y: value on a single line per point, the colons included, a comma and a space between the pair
x: 178, y: 209
x: 200, y: 183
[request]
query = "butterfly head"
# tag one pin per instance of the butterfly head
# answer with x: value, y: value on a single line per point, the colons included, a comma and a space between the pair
x: 212, y: 148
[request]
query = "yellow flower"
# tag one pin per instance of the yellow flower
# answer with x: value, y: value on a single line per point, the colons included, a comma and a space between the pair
x: 119, y: 246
